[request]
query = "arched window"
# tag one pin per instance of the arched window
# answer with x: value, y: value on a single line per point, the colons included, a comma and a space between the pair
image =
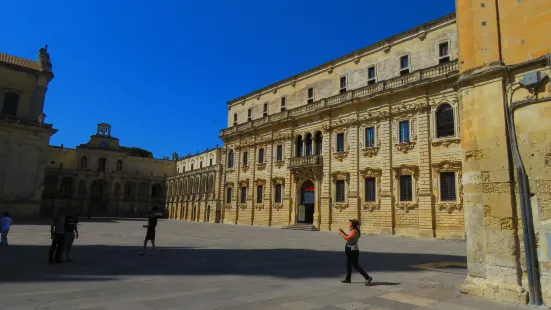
x: 309, y: 144
x: 119, y: 165
x: 230, y: 159
x: 299, y: 146
x: 319, y: 143
x: 10, y: 104
x: 445, y: 126
x: 83, y: 162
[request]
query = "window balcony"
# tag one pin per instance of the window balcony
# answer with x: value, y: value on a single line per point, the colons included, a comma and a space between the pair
x: 305, y: 161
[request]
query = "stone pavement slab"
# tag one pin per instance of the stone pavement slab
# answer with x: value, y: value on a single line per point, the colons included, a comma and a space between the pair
x: 213, y: 266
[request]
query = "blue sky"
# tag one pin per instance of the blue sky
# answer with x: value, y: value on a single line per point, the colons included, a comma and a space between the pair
x: 160, y: 72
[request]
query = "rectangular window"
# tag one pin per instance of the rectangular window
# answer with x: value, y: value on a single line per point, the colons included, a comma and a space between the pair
x: 101, y: 166
x: 311, y: 95
x: 443, y: 53
x: 249, y: 114
x: 265, y: 110
x: 340, y: 142
x: 234, y: 119
x: 243, y: 195
x: 404, y: 65
x: 261, y: 156
x: 371, y: 75
x: 279, y: 152
x: 210, y: 162
x: 259, y: 194
x: 283, y: 103
x: 228, y: 195
x: 245, y: 158
x: 447, y: 186
x: 277, y: 198
x: 406, y: 188
x: 404, y: 131
x: 370, y: 137
x: 343, y: 84
x: 339, y: 191
x: 370, y: 194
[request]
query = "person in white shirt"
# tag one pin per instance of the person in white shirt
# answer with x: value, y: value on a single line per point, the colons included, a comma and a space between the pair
x: 5, y: 224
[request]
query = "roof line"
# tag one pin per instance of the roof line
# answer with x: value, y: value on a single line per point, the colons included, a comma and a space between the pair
x: 356, y: 53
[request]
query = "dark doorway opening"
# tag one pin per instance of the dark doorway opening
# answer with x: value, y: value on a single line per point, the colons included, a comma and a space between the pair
x: 306, y: 206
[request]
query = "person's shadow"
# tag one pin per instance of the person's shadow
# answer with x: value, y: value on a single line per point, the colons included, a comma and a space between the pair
x: 381, y: 283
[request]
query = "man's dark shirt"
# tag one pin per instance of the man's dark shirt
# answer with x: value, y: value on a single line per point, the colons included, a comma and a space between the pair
x: 70, y: 224
x: 152, y: 223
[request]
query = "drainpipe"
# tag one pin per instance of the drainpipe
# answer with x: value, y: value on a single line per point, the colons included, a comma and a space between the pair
x: 530, y: 250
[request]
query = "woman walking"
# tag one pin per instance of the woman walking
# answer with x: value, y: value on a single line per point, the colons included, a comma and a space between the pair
x: 352, y: 251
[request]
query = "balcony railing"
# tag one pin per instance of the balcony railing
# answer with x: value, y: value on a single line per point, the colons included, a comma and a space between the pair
x: 418, y: 76
x: 314, y: 160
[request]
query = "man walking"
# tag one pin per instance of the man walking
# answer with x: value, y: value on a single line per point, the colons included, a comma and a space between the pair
x: 151, y: 225
x: 57, y: 231
x: 5, y: 224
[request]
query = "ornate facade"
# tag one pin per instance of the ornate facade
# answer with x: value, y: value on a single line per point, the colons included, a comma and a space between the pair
x: 194, y: 192
x: 372, y: 135
x: 24, y: 137
x: 102, y: 178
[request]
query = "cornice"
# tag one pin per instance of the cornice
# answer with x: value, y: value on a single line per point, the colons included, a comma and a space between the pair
x: 386, y: 44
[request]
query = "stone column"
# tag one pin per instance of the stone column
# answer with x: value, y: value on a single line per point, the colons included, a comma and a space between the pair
x: 325, y: 188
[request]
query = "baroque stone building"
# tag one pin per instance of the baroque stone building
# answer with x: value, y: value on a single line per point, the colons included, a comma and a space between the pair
x: 372, y: 135
x: 24, y: 137
x: 194, y: 192
x: 103, y: 178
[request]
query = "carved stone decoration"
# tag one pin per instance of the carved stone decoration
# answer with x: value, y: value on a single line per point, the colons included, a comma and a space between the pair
x: 280, y: 136
x: 279, y: 163
x: 277, y: 206
x: 294, y: 82
x: 243, y: 206
x: 445, y: 142
x: 370, y: 151
x: 372, y: 173
x: 245, y: 168
x: 274, y: 90
x: 230, y: 170
x: 259, y: 182
x: 325, y: 128
x: 407, y: 206
x: 259, y: 206
x: 261, y: 166
x: 340, y: 156
x: 357, y: 58
x: 258, y: 95
x: 341, y: 175
x: 386, y: 48
x: 340, y: 206
x: 405, y: 147
x: 330, y: 68
x: 228, y: 206
x: 229, y: 184
x: 422, y: 34
x: 307, y: 173
x: 244, y: 183
x: 449, y: 206
x: 279, y: 180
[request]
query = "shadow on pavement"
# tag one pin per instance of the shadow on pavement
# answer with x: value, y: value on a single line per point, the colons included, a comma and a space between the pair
x: 22, y: 263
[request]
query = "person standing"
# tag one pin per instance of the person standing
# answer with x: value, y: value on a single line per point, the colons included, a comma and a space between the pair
x: 71, y: 232
x: 5, y: 224
x: 151, y: 227
x: 352, y: 251
x: 57, y: 231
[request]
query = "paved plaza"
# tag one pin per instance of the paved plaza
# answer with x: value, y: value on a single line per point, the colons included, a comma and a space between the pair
x: 214, y: 266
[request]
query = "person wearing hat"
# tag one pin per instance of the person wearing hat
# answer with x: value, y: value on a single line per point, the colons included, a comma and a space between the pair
x: 352, y: 251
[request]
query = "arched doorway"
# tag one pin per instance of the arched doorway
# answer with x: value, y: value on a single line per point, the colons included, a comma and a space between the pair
x: 307, y: 200
x: 208, y: 214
